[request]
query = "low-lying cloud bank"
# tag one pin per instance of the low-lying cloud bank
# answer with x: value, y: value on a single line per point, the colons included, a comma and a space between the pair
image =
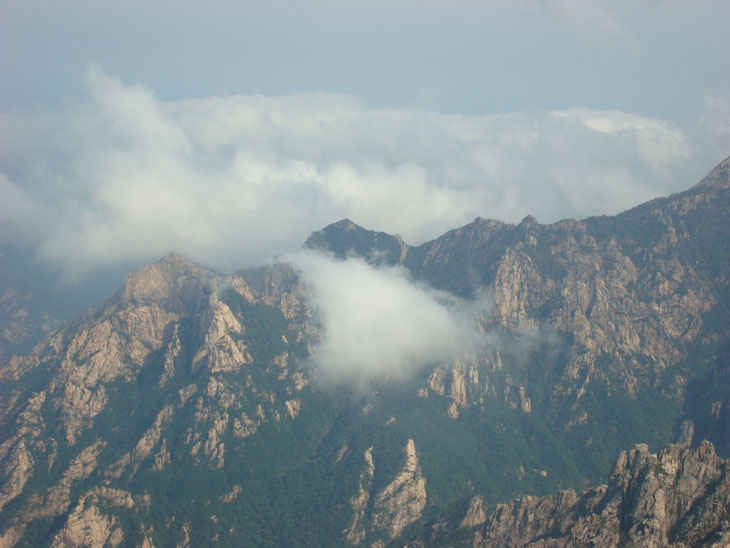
x: 377, y: 324
x: 230, y: 181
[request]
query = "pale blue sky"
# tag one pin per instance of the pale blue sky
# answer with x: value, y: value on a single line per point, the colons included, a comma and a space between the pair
x: 230, y: 130
x: 657, y: 58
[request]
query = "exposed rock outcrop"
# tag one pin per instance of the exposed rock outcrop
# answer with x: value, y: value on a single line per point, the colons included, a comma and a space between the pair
x: 89, y: 526
x: 223, y: 350
x: 677, y: 497
x: 402, y: 501
x: 56, y: 500
x: 355, y: 533
x: 476, y: 514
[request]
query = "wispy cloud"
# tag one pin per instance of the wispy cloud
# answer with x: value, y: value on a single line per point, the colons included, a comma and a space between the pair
x: 126, y: 176
x: 377, y: 323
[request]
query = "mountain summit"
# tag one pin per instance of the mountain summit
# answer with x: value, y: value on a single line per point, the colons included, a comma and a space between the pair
x: 345, y: 238
x: 718, y: 178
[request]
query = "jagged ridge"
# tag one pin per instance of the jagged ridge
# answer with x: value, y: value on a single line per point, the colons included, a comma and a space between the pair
x: 676, y: 497
x: 610, y: 331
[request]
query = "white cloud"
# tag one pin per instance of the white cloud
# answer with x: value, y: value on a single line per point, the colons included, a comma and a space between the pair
x: 230, y: 181
x: 659, y: 144
x: 378, y: 324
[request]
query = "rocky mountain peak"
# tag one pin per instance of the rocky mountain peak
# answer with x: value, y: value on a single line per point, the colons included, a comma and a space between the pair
x: 718, y: 178
x: 173, y: 282
x: 482, y: 226
x: 346, y: 224
x: 345, y: 238
x: 529, y: 220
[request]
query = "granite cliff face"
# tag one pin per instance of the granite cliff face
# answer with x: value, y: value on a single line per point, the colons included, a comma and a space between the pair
x: 402, y: 501
x: 182, y: 411
x: 678, y: 497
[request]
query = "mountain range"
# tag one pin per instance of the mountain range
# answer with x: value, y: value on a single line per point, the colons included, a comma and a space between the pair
x: 188, y: 408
